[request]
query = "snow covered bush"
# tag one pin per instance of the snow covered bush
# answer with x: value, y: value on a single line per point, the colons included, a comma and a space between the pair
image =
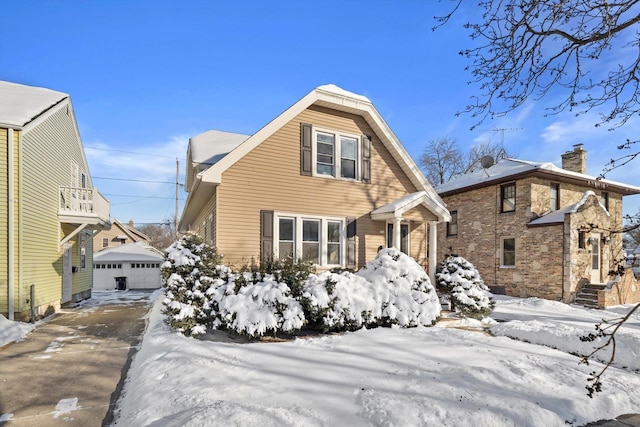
x: 254, y: 309
x: 339, y: 302
x: 190, y: 269
x: 459, y: 279
x: 402, y: 289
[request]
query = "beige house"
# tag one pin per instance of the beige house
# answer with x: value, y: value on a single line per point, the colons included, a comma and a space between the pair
x: 50, y: 207
x: 326, y: 181
x: 118, y: 234
x: 534, y: 229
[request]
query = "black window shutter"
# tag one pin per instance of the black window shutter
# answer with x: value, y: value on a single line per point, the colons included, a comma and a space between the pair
x: 351, y: 242
x: 305, y: 149
x: 366, y: 159
x: 266, y: 235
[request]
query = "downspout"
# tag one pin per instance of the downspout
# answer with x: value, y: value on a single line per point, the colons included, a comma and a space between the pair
x: 433, y: 250
x: 10, y: 227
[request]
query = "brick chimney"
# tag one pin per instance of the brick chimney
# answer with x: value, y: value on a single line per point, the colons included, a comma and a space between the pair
x: 575, y: 160
x: 131, y: 221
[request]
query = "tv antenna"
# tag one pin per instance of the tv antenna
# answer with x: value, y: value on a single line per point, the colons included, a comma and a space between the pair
x: 502, y: 131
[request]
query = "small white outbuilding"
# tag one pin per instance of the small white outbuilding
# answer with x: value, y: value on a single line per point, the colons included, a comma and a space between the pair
x: 129, y: 266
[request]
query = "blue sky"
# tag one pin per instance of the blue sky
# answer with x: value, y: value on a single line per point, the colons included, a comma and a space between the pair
x: 144, y: 76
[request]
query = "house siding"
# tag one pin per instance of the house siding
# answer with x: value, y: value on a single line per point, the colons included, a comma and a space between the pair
x: 4, y: 219
x: 268, y: 178
x: 44, y: 167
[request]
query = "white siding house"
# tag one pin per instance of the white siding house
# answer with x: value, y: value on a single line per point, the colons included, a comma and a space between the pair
x: 129, y: 266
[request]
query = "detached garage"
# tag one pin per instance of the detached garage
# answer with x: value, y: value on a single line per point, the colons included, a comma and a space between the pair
x: 129, y: 266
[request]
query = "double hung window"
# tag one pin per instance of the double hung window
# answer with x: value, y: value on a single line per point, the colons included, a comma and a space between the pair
x: 508, y: 252
x: 336, y: 155
x: 316, y: 240
x: 452, y: 226
x: 508, y: 197
x: 554, y: 196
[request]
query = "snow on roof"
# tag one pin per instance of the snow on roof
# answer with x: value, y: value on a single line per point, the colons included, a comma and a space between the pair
x: 557, y: 217
x: 212, y: 145
x: 505, y: 168
x: 339, y: 91
x: 19, y: 104
x: 399, y: 204
x: 138, y: 251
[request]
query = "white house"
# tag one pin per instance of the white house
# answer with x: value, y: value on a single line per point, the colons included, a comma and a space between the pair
x: 129, y: 266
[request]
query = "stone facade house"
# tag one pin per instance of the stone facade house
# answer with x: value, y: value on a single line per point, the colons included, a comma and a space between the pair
x: 534, y: 229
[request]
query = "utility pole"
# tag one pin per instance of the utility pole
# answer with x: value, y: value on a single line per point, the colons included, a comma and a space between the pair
x: 175, y: 218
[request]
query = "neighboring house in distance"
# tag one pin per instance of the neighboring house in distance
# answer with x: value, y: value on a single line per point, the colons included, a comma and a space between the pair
x: 118, y: 234
x: 534, y: 229
x: 50, y: 208
x: 128, y: 266
x: 326, y: 181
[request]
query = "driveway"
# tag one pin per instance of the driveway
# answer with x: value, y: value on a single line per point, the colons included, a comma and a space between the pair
x: 70, y: 369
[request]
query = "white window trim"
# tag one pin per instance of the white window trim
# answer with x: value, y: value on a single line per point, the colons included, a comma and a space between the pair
x: 336, y: 155
x: 297, y: 242
x: 515, y: 257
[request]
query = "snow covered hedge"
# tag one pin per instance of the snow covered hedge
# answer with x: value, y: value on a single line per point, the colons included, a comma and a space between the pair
x: 460, y: 279
x: 287, y: 296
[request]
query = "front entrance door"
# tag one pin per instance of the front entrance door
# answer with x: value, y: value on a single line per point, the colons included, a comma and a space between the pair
x: 595, y: 258
x: 404, y: 237
x: 67, y: 263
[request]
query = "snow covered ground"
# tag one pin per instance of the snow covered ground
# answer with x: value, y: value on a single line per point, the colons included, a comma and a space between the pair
x: 419, y: 376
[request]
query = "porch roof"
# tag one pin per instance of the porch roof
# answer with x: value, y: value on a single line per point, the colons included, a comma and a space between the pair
x: 398, y: 207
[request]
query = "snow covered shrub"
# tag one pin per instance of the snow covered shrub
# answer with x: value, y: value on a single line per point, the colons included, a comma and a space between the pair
x: 457, y: 277
x: 253, y: 309
x: 292, y: 272
x: 190, y: 268
x: 402, y: 289
x: 339, y: 302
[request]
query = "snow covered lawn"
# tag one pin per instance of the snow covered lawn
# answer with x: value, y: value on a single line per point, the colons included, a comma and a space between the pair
x: 403, y: 377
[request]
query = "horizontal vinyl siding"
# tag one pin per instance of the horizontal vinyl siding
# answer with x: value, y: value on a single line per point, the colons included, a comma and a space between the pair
x: 4, y: 220
x: 48, y: 152
x: 269, y: 178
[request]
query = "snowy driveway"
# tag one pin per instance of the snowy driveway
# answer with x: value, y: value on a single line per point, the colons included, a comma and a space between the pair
x: 68, y: 369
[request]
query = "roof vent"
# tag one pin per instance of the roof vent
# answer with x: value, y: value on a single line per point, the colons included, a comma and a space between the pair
x: 486, y: 161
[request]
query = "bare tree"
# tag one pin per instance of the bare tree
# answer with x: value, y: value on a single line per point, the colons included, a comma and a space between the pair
x: 441, y: 159
x: 162, y: 234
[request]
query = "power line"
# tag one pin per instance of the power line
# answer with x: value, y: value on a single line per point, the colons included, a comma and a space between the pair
x: 139, y: 196
x: 131, y: 152
x: 135, y: 180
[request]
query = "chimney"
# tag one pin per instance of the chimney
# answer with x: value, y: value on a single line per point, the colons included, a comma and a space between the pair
x: 575, y: 160
x: 131, y: 221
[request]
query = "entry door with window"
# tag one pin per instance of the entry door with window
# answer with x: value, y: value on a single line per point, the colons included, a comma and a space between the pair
x: 595, y: 257
x: 67, y: 267
x: 404, y: 237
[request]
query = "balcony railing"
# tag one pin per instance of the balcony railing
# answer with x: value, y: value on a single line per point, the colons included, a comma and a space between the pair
x: 83, y: 204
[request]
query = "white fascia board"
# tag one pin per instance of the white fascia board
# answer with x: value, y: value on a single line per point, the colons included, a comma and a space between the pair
x: 214, y: 173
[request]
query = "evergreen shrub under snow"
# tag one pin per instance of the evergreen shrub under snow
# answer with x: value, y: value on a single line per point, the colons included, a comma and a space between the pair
x: 286, y: 296
x: 459, y: 279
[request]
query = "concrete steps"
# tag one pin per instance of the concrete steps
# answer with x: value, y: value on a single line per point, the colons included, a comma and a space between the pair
x: 588, y: 295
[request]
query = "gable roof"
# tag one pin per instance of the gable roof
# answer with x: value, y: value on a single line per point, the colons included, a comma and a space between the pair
x: 408, y: 202
x: 20, y: 104
x: 131, y: 232
x: 509, y: 169
x: 330, y: 96
x: 137, y: 251
x: 557, y: 217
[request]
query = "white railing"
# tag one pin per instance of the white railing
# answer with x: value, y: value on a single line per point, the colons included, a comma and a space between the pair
x: 83, y: 202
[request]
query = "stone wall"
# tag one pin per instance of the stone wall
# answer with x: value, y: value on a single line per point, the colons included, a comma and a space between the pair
x: 624, y: 291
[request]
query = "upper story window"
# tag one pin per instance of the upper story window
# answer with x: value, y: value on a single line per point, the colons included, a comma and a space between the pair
x: 105, y: 242
x: 452, y: 226
x: 340, y: 159
x: 508, y: 197
x: 336, y: 154
x: 604, y: 199
x: 554, y: 197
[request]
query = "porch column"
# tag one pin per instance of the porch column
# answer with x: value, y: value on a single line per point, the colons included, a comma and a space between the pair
x: 396, y: 232
x: 433, y: 251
